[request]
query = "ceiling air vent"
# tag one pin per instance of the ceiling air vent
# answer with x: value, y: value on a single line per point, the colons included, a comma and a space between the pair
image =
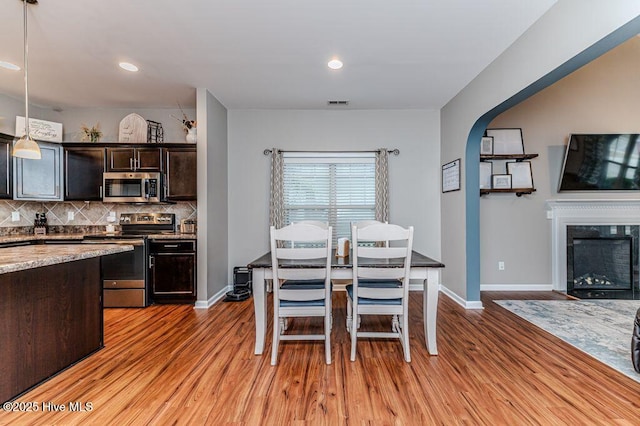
x: 332, y: 103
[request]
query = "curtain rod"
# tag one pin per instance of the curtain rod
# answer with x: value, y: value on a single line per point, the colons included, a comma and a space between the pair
x: 395, y: 151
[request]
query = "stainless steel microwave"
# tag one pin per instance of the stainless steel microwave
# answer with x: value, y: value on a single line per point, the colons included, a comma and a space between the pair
x: 131, y: 187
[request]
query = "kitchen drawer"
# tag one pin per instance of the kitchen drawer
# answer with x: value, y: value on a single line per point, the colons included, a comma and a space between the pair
x: 108, y: 284
x: 168, y: 246
x: 124, y: 298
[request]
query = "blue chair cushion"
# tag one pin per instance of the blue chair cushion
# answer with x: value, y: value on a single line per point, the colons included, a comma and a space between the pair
x: 302, y: 285
x: 368, y: 301
x: 379, y: 283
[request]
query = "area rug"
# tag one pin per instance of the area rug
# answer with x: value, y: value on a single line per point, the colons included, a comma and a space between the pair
x: 601, y: 328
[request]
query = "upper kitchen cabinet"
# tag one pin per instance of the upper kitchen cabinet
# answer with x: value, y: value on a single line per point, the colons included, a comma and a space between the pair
x: 39, y: 179
x: 6, y: 185
x: 83, y: 168
x: 180, y: 173
x: 127, y: 159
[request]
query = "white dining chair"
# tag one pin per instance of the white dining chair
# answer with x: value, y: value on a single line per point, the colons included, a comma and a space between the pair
x: 301, y: 291
x: 380, y: 282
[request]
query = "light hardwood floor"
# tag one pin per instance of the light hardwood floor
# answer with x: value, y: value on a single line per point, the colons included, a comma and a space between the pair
x: 176, y: 365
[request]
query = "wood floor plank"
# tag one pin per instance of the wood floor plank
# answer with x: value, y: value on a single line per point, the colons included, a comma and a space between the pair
x: 171, y: 364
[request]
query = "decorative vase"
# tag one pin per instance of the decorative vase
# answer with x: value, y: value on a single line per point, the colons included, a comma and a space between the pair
x: 191, y: 135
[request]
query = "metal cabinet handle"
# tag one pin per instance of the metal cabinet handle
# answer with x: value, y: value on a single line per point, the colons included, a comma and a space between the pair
x: 100, y: 191
x: 151, y: 265
x: 131, y: 163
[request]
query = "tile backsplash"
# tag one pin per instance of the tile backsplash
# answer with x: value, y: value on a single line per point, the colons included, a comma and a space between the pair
x: 84, y: 213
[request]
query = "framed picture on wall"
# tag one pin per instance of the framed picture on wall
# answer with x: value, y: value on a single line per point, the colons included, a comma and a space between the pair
x: 486, y: 146
x: 486, y: 170
x: 501, y: 181
x: 451, y: 176
x: 521, y: 176
x: 506, y: 141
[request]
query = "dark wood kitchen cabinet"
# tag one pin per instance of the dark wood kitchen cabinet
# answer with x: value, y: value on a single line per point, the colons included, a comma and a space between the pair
x: 172, y: 271
x: 83, y: 173
x: 6, y: 175
x: 180, y: 173
x: 128, y: 159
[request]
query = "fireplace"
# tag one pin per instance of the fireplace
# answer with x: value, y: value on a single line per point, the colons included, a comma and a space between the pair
x: 594, y: 247
x: 601, y: 261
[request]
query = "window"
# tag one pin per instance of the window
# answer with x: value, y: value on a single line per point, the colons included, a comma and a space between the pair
x: 334, y: 188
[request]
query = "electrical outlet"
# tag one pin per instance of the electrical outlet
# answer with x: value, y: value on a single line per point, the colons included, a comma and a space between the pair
x: 613, y: 230
x: 15, y: 216
x: 501, y: 266
x: 71, y: 215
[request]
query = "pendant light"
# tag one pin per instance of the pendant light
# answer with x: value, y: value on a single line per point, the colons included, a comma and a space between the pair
x: 26, y: 147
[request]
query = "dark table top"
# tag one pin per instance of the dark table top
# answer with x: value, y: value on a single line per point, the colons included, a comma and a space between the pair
x: 417, y: 261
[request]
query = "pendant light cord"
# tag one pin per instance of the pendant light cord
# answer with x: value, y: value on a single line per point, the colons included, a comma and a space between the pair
x: 26, y: 78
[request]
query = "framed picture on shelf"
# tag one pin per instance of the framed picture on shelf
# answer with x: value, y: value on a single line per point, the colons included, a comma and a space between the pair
x: 506, y: 141
x: 501, y: 181
x: 521, y: 176
x: 486, y: 170
x: 486, y: 146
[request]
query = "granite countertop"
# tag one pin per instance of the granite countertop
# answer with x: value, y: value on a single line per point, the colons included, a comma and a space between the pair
x: 31, y: 237
x: 79, y: 237
x: 35, y: 256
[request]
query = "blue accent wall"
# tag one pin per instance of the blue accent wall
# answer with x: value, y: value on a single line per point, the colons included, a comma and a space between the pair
x: 472, y: 153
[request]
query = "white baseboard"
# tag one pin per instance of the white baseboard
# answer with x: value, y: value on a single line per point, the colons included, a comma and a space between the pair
x: 206, y: 304
x: 459, y: 300
x: 516, y: 287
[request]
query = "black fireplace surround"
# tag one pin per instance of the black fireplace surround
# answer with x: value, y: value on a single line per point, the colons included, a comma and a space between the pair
x: 602, y: 262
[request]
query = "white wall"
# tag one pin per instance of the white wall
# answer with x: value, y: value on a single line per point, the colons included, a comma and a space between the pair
x: 213, y: 228
x: 568, y: 28
x: 601, y: 97
x: 414, y: 175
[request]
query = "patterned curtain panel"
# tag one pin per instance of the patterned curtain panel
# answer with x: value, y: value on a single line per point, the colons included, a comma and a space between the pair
x: 276, y: 205
x: 382, y: 185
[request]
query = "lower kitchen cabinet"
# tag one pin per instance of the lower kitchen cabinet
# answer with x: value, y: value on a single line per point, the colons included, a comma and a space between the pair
x: 172, y: 271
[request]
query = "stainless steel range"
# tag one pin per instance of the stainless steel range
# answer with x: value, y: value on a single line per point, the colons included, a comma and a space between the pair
x: 124, y: 275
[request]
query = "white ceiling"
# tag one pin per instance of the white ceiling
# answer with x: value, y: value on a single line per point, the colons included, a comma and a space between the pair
x: 257, y: 53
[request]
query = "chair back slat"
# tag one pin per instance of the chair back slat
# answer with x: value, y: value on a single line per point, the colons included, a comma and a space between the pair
x: 380, y: 293
x: 302, y: 273
x: 382, y: 252
x: 381, y: 273
x: 298, y: 254
x: 301, y: 295
x: 382, y: 232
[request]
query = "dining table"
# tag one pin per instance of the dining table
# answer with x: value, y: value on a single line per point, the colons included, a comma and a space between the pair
x: 422, y: 268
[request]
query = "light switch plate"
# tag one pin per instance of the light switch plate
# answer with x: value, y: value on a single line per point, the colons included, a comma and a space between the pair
x: 71, y: 215
x: 15, y: 216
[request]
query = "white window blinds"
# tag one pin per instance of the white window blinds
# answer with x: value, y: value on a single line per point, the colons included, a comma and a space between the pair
x: 334, y: 188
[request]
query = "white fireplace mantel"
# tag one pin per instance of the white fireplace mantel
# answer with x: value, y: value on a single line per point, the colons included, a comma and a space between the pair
x: 564, y: 213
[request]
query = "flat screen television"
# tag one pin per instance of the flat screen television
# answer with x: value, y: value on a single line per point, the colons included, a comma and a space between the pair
x: 602, y: 162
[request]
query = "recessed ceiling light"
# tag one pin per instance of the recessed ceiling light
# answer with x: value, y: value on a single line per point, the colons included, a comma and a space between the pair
x: 335, y: 64
x: 127, y: 66
x: 9, y: 66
